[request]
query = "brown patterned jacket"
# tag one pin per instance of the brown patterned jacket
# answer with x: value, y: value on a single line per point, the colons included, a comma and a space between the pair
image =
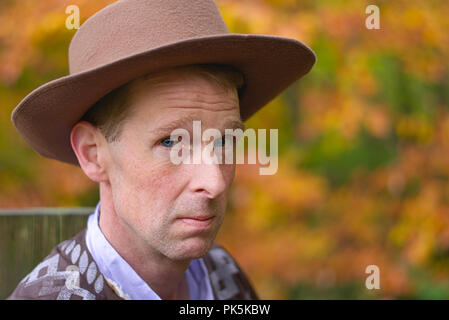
x: 70, y: 273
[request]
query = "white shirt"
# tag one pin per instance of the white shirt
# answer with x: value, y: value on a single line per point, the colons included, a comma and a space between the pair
x: 115, y: 268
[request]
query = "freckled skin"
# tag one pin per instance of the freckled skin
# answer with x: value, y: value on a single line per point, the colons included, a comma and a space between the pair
x: 145, y: 192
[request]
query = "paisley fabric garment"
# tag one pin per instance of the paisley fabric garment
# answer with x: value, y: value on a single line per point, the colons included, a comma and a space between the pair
x: 70, y: 273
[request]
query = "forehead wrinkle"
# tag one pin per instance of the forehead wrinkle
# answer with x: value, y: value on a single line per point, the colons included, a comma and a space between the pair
x: 201, y: 98
x: 171, y: 91
x: 216, y: 105
x: 173, y: 101
x: 186, y: 122
x: 182, y: 95
x: 200, y: 108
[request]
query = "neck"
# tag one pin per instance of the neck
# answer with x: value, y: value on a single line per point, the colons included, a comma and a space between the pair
x: 165, y: 276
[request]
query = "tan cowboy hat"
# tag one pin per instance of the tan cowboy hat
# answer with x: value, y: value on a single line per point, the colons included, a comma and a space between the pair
x: 131, y: 38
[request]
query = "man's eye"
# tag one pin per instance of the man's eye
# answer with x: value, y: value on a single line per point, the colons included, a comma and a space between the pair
x: 223, y: 142
x: 167, y: 142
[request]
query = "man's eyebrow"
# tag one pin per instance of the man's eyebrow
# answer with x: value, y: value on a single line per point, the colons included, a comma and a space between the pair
x: 187, y: 123
x: 235, y: 124
x: 184, y: 122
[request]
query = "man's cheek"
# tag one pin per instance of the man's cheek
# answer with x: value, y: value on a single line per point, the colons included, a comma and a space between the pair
x: 165, y: 181
x: 229, y: 173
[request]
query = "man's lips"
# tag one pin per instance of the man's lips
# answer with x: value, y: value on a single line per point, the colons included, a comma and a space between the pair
x: 199, y: 222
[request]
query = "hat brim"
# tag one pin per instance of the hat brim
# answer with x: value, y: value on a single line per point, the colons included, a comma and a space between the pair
x: 270, y: 64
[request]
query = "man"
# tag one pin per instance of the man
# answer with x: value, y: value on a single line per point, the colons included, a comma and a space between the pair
x: 139, y: 69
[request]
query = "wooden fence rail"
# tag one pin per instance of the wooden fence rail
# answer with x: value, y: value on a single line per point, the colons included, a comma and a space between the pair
x: 28, y: 235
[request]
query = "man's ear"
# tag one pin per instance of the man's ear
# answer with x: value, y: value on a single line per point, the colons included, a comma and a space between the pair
x: 86, y: 143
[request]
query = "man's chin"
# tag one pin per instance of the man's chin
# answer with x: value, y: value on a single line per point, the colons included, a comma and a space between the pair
x: 192, y: 249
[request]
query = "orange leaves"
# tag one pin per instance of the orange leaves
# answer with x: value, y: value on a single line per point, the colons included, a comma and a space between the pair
x: 378, y: 121
x: 289, y: 190
x: 296, y: 227
x: 415, y: 128
x: 24, y: 22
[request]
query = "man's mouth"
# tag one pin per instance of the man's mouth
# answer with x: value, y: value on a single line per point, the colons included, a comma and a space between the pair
x: 198, y: 222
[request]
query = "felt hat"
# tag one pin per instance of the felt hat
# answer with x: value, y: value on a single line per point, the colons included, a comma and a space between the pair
x: 131, y: 38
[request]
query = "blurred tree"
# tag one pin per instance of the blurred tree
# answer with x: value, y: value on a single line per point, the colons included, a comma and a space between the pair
x: 363, y: 143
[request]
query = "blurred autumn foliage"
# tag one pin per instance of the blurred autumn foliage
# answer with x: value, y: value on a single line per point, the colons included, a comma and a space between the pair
x: 363, y: 144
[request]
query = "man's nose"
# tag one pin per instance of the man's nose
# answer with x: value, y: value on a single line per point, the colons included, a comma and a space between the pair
x: 208, y: 178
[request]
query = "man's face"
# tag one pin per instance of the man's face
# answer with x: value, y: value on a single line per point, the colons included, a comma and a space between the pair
x: 168, y: 206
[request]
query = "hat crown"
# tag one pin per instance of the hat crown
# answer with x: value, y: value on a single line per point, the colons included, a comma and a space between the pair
x: 129, y: 27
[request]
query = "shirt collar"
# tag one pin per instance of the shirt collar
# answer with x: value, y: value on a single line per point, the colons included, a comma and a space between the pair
x: 115, y: 268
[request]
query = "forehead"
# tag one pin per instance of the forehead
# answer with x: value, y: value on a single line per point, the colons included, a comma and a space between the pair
x: 177, y: 99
